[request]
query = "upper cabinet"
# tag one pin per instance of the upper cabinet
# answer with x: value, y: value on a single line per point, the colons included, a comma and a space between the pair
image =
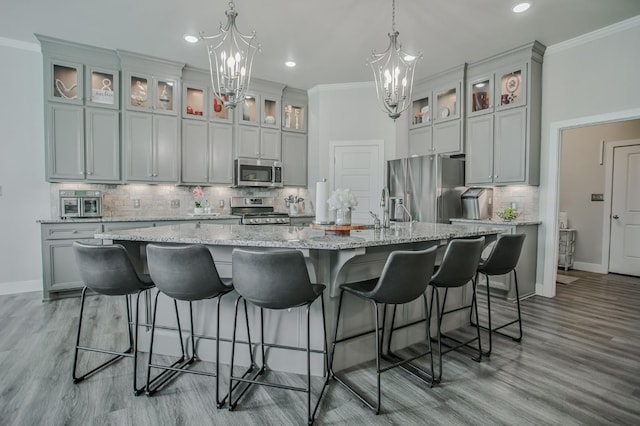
x: 294, y: 110
x: 207, y: 132
x: 151, y: 138
x: 436, y: 125
x: 81, y: 88
x: 258, y: 133
x: 503, y: 118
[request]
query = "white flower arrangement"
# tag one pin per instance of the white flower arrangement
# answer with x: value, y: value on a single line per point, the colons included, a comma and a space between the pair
x: 342, y: 199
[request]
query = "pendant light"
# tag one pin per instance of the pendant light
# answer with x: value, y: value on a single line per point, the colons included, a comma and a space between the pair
x: 230, y: 60
x: 393, y: 72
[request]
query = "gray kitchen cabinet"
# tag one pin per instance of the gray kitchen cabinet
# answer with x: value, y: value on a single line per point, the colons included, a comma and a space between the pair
x: 503, y: 118
x: 151, y: 148
x: 207, y: 152
x: 207, y: 132
x: 435, y: 125
x: 294, y: 137
x: 151, y: 136
x: 294, y: 159
x: 60, y: 274
x: 503, y: 285
x: 81, y: 85
x: 258, y: 133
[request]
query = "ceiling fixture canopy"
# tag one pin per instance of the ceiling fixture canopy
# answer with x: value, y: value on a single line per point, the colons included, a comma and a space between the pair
x: 393, y: 71
x: 230, y: 59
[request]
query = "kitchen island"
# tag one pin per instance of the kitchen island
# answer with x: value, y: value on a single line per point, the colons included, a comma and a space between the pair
x: 331, y: 259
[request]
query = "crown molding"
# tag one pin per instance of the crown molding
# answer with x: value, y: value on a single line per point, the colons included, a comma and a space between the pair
x: 18, y: 44
x: 594, y: 35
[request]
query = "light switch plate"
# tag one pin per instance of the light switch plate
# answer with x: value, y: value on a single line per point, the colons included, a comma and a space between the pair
x: 175, y: 204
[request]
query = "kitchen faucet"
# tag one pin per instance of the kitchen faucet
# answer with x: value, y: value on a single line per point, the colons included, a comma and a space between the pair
x: 384, y: 203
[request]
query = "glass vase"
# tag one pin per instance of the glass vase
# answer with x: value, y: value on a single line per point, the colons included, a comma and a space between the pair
x: 343, y: 217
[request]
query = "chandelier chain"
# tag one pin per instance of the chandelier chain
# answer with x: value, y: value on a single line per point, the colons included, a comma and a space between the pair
x: 393, y: 16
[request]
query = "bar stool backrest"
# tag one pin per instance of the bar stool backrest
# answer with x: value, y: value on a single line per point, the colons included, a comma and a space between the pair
x: 107, y: 269
x: 184, y: 272
x: 504, y: 256
x: 405, y: 276
x: 459, y: 263
x: 272, y: 279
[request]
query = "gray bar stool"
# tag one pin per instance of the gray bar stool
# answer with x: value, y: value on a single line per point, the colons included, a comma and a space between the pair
x: 185, y: 273
x: 459, y: 266
x: 404, y: 278
x: 107, y: 270
x: 276, y: 280
x: 502, y: 260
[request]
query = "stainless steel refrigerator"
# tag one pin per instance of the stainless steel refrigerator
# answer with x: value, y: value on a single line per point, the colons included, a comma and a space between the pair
x: 430, y: 186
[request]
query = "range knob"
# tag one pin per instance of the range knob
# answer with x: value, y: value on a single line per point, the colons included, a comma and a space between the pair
x: 268, y: 220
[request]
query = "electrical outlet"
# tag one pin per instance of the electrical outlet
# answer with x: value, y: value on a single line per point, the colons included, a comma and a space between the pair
x: 221, y: 203
x: 136, y: 203
x: 175, y: 204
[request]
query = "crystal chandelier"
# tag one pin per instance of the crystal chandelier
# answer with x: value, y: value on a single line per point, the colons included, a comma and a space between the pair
x: 393, y: 72
x: 230, y: 59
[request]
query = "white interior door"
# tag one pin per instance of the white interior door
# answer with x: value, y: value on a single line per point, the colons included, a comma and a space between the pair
x: 359, y: 166
x: 624, y: 249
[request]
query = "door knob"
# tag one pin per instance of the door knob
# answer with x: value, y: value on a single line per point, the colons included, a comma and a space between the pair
x: 615, y: 216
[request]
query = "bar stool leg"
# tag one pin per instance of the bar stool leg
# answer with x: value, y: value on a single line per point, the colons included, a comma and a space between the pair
x: 335, y: 335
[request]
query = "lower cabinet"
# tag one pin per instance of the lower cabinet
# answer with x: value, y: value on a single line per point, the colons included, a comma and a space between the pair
x: 60, y: 274
x: 503, y: 285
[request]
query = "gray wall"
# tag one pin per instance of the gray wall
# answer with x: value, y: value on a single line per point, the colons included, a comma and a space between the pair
x: 590, y: 79
x: 581, y: 174
x: 25, y: 194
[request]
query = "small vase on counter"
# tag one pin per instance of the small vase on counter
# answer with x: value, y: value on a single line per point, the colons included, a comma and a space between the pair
x: 343, y: 217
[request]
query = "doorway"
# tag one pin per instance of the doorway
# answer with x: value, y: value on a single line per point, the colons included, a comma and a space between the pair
x: 549, y: 189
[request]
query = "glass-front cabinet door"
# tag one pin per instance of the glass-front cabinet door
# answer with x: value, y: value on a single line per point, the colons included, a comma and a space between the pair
x: 421, y: 111
x: 271, y: 111
x: 103, y: 88
x: 138, y: 88
x: 248, y: 112
x: 66, y: 82
x: 165, y: 96
x: 218, y: 112
x: 194, y: 102
x: 446, y: 104
x: 146, y: 93
x: 511, y: 87
x: 294, y: 117
x: 481, y: 95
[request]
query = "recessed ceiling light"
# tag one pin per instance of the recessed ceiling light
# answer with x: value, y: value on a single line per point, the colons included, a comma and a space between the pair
x: 190, y: 38
x: 521, y: 7
x: 290, y: 64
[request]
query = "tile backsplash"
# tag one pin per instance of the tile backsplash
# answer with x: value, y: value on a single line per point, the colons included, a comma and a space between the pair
x: 525, y: 197
x: 156, y: 200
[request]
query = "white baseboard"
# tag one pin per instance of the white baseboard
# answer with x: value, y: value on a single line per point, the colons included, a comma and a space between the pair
x: 589, y: 267
x: 20, y: 287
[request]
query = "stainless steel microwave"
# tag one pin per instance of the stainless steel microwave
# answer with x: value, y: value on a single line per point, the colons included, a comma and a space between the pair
x: 254, y: 172
x: 77, y: 203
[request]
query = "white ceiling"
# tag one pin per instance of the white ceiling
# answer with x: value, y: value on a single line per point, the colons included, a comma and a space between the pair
x: 329, y: 39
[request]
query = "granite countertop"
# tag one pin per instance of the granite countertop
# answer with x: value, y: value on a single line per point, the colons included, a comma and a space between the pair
x: 296, y: 237
x: 498, y: 221
x: 212, y: 216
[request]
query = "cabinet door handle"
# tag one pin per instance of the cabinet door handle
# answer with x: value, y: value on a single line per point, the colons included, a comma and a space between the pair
x: 615, y: 216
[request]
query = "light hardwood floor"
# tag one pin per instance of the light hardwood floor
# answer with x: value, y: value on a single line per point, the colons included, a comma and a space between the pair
x: 579, y: 363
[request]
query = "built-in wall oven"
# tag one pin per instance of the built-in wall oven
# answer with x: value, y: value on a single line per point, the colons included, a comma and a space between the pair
x: 79, y: 203
x: 260, y: 173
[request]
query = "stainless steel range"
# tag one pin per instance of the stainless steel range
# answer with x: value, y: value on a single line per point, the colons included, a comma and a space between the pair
x: 258, y: 211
